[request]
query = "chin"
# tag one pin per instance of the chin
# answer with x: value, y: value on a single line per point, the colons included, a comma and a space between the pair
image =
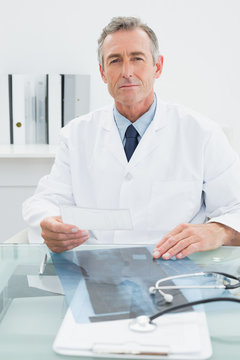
x: 129, y: 99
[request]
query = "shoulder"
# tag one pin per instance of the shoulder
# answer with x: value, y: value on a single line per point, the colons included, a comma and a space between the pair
x: 189, y: 120
x: 87, y: 121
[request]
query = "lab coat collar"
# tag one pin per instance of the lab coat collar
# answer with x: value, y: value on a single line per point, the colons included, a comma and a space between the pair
x: 159, y: 120
x: 148, y: 143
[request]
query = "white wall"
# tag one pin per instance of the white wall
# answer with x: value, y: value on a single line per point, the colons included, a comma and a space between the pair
x: 198, y: 38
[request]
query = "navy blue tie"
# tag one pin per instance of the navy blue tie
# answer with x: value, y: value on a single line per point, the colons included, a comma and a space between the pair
x: 131, y: 135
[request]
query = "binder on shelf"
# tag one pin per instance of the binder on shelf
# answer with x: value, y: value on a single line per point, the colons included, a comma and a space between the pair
x: 4, y: 110
x: 41, y: 104
x: 18, y: 109
x: 28, y: 109
x: 54, y: 108
x: 76, y: 91
x: 41, y: 109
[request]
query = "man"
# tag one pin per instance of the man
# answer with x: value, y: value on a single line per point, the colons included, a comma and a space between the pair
x: 181, y: 174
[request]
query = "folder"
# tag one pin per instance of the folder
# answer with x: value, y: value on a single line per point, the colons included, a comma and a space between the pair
x: 29, y: 89
x: 29, y: 109
x: 106, y: 290
x: 41, y: 109
x: 76, y: 96
x: 18, y: 109
x: 54, y: 108
x: 4, y: 110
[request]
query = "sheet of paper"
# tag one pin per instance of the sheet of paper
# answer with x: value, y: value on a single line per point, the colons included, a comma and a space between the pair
x: 47, y: 283
x: 97, y: 219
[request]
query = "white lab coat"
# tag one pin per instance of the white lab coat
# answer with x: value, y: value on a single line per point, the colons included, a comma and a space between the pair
x: 183, y: 170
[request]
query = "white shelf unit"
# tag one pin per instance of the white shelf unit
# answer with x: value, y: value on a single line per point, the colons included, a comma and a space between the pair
x: 21, y: 167
x: 27, y: 151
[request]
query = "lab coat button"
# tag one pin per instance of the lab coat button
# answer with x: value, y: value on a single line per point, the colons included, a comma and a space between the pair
x: 128, y: 176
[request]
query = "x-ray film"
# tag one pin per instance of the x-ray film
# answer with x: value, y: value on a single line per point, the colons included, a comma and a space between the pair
x: 113, y: 284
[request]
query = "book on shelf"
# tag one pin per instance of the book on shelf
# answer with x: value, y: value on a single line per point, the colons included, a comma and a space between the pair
x: 41, y: 110
x: 36, y: 106
x: 54, y: 107
x: 35, y: 102
x: 76, y: 90
x: 29, y: 109
x: 18, y: 110
x: 4, y: 110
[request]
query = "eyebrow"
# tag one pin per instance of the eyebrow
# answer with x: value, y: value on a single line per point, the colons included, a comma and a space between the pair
x: 134, y: 53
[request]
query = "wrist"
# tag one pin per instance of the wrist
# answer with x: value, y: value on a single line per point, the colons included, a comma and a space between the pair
x: 228, y: 234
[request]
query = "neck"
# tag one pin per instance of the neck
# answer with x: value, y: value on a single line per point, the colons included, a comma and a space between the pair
x: 134, y: 111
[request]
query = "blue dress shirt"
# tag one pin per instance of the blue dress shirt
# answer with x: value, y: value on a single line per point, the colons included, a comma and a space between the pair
x: 141, y: 124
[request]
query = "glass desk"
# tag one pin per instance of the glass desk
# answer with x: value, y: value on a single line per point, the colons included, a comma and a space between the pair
x: 30, y: 317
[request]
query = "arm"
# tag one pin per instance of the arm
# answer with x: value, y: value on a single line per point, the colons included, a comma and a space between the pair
x: 221, y: 193
x: 42, y: 210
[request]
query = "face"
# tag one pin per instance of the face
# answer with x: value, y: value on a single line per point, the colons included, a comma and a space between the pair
x: 128, y: 67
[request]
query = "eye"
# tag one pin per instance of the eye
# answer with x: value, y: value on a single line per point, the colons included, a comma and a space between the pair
x: 114, y: 61
x: 137, y: 58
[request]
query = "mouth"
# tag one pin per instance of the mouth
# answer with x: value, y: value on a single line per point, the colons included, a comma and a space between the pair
x: 127, y: 86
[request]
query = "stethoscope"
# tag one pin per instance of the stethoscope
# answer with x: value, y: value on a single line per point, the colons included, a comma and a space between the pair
x: 224, y: 278
x: 144, y: 323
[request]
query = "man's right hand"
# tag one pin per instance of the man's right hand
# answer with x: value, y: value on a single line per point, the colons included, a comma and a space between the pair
x: 60, y: 237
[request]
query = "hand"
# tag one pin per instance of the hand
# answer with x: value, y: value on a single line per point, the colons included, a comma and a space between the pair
x: 60, y: 237
x: 186, y: 239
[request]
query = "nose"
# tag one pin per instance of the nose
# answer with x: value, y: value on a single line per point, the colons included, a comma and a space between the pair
x: 127, y: 70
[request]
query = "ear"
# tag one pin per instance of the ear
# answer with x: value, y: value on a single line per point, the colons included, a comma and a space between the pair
x: 158, y: 67
x: 102, y: 74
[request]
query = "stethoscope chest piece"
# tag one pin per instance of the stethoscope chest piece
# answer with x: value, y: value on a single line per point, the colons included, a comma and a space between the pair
x: 142, y: 324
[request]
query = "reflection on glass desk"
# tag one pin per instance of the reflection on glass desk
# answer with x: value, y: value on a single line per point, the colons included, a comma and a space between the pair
x: 30, y: 315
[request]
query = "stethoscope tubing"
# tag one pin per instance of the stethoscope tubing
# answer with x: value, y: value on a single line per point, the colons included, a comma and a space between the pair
x: 191, y: 303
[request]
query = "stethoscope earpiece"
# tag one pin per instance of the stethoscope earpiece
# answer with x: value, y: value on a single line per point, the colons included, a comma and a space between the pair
x: 167, y: 297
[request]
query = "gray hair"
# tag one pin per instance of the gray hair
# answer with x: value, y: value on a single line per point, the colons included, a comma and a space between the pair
x: 127, y: 23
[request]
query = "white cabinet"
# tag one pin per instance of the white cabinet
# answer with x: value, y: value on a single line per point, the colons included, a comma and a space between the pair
x: 21, y: 167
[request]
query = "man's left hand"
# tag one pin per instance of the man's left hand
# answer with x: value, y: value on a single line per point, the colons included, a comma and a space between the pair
x: 186, y: 239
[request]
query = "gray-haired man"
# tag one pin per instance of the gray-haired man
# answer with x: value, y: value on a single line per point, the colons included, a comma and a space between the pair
x: 181, y: 174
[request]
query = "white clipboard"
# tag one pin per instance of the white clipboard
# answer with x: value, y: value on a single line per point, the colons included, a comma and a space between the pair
x: 113, y: 286
x: 177, y: 336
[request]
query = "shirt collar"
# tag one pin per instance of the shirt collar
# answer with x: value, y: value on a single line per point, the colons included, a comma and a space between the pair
x: 141, y: 124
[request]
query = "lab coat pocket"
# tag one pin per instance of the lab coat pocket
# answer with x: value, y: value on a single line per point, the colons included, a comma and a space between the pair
x: 173, y: 202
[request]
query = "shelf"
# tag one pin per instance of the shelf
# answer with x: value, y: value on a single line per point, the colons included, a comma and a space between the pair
x: 27, y: 151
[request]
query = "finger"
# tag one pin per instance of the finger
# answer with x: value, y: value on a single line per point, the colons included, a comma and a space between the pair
x: 55, y: 225
x: 179, y: 247
x: 192, y: 248
x: 171, y: 233
x: 57, y: 246
x: 64, y: 236
x: 169, y: 243
x: 170, y: 239
x: 180, y: 241
x: 59, y: 249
